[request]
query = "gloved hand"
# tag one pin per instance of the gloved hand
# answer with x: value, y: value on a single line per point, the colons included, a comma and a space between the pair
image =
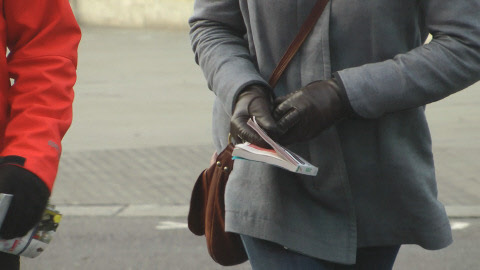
x: 30, y: 197
x: 308, y: 111
x: 254, y: 100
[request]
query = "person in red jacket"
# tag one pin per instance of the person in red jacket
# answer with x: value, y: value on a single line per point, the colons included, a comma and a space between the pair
x: 36, y: 92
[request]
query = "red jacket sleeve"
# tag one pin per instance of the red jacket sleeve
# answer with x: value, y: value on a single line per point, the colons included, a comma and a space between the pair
x: 43, y: 38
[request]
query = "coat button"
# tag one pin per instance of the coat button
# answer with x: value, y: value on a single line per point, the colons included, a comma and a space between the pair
x: 219, y: 164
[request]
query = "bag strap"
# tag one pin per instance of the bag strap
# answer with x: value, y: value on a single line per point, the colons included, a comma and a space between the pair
x: 306, y: 28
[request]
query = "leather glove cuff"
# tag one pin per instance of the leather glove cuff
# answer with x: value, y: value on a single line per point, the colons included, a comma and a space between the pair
x: 256, y: 89
x: 30, y: 197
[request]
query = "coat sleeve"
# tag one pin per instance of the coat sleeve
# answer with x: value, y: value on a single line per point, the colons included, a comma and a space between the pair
x: 217, y: 36
x: 449, y: 63
x: 42, y: 37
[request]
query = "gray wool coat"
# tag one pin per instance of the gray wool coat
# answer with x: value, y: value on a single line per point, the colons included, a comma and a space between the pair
x: 376, y: 182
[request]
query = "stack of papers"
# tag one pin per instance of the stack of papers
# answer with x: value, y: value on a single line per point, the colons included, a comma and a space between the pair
x: 277, y: 156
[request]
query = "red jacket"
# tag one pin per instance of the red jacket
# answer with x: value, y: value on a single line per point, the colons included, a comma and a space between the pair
x: 36, y: 111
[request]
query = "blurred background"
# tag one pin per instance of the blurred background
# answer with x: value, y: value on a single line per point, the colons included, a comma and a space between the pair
x: 142, y: 133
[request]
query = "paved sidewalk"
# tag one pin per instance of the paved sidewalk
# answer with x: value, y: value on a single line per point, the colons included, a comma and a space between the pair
x: 141, y: 131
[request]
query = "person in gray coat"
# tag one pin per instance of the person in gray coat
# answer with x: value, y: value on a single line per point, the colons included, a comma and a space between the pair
x: 353, y: 103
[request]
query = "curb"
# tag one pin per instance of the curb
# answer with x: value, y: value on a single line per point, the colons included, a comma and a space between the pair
x: 463, y: 211
x: 156, y: 210
x: 141, y: 210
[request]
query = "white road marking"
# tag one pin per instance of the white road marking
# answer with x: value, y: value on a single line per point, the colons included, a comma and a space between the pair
x: 154, y: 210
x: 457, y: 225
x: 171, y: 225
x: 89, y: 210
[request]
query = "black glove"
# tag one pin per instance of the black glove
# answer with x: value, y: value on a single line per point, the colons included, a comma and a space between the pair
x: 30, y: 197
x: 254, y: 100
x: 9, y: 261
x: 308, y: 111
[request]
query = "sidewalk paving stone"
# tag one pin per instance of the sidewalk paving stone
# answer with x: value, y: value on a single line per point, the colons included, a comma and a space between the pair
x: 142, y: 132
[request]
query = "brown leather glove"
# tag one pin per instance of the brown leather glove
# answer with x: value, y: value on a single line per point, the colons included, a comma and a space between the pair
x: 254, y: 100
x: 308, y: 111
x: 30, y: 197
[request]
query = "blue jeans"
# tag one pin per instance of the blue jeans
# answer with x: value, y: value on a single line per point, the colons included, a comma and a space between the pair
x: 265, y: 255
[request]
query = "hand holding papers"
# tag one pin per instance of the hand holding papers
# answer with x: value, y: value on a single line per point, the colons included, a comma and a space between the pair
x: 36, y: 240
x: 278, y: 156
